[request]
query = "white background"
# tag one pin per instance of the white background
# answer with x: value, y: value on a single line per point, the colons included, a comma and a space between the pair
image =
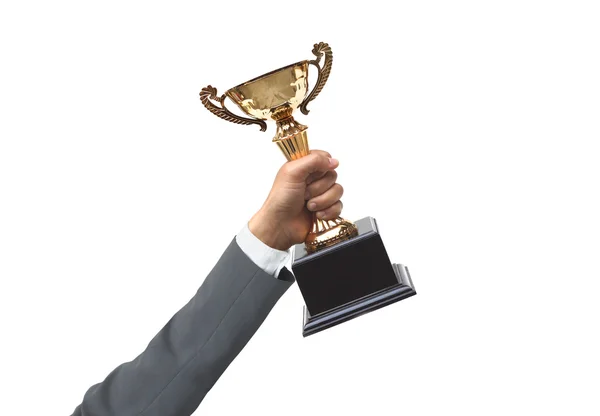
x: 469, y: 130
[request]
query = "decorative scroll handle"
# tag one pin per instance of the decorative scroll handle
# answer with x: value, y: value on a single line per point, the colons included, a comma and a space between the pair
x: 210, y: 93
x: 321, y: 49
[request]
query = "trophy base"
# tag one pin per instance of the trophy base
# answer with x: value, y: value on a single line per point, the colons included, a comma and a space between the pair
x: 403, y: 290
x: 348, y: 279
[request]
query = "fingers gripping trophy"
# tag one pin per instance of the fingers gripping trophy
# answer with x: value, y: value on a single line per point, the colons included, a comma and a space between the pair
x: 342, y: 269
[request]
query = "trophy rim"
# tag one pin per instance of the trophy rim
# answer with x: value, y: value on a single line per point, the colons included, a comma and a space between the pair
x: 243, y: 84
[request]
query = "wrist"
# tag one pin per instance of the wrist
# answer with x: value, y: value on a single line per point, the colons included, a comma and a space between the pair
x: 267, y: 231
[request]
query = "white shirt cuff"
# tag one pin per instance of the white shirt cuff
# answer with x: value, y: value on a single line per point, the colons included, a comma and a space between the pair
x: 267, y: 258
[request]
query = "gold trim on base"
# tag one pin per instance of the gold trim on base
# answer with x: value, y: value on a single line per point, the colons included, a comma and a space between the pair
x: 328, y: 233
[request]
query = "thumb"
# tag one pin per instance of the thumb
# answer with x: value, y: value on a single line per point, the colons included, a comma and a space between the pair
x: 300, y: 169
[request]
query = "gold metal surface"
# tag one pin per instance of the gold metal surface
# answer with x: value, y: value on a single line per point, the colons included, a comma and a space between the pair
x: 275, y: 96
x: 320, y: 49
x: 264, y: 96
x: 210, y: 93
x: 328, y: 233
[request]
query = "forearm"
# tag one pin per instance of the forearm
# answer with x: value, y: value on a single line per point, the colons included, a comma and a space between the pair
x: 185, y: 359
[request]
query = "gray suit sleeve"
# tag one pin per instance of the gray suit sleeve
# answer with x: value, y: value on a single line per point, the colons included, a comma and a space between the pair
x: 189, y: 354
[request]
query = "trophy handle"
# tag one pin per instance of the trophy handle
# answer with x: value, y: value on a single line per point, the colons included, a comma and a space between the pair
x: 319, y: 50
x: 210, y: 93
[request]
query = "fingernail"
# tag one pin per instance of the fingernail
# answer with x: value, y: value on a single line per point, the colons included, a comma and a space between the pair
x: 333, y: 162
x: 312, y: 206
x: 321, y: 214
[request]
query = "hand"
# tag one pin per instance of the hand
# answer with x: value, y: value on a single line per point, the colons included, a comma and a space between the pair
x: 286, y: 218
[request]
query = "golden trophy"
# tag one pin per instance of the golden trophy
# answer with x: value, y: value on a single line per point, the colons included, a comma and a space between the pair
x: 342, y: 269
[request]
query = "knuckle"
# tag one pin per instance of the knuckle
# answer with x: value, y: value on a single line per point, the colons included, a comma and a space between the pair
x: 334, y: 210
x: 324, y: 160
x: 314, y: 161
x: 321, y: 152
x: 286, y: 170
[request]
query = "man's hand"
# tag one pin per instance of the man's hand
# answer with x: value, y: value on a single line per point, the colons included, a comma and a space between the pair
x: 286, y: 218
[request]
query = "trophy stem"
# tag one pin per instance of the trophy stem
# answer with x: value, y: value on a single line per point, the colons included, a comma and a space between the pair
x: 293, y: 142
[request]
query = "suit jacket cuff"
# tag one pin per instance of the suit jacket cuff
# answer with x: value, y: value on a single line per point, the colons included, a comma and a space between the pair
x: 265, y: 257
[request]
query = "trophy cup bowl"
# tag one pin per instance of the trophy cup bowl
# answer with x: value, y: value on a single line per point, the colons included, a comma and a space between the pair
x: 268, y: 94
x: 342, y: 269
